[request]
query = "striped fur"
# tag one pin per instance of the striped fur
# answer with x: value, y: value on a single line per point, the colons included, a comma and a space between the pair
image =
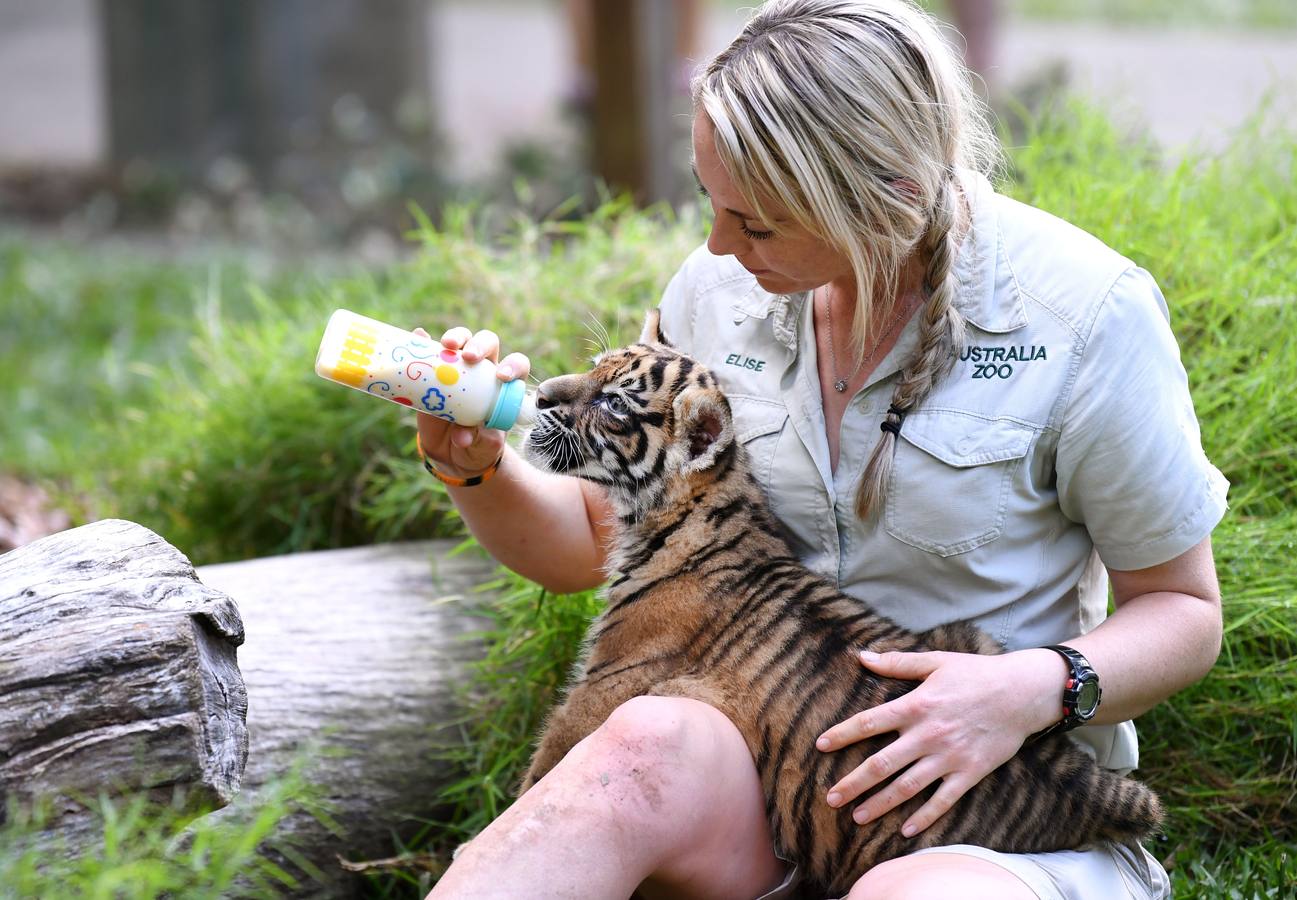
x: 707, y: 601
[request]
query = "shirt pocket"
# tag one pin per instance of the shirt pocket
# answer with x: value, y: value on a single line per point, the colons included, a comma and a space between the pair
x: 758, y: 423
x: 951, y: 480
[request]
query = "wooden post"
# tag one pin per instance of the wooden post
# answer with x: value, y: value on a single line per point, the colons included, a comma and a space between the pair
x: 634, y: 64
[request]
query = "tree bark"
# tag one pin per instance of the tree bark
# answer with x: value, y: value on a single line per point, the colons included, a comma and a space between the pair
x: 353, y: 655
x: 117, y: 672
x: 634, y: 68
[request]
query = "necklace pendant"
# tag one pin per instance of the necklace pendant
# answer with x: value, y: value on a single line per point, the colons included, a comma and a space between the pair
x: 840, y: 385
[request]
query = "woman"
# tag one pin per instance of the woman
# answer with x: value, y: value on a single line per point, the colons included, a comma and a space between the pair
x: 962, y: 408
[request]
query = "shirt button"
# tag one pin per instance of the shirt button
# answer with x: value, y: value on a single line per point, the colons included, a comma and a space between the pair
x: 965, y: 445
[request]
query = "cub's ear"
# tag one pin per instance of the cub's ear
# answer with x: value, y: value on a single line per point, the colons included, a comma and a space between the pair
x: 652, y: 332
x: 704, y: 427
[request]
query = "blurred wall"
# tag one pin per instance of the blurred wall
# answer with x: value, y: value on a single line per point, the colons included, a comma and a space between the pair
x: 283, y: 86
x: 51, y: 107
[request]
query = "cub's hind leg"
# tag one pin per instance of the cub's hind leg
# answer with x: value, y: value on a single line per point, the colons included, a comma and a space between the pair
x: 959, y: 637
x: 581, y: 713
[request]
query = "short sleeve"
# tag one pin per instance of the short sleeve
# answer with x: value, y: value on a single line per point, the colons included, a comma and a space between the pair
x: 1130, y: 462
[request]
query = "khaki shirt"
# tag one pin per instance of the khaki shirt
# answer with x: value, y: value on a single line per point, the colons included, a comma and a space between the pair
x: 1062, y: 441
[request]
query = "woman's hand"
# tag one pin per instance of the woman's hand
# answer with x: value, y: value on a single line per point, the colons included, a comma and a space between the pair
x: 969, y: 716
x: 465, y: 451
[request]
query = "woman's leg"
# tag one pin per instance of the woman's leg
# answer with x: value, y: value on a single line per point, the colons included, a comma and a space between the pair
x: 940, y: 875
x: 1098, y: 872
x: 663, y: 796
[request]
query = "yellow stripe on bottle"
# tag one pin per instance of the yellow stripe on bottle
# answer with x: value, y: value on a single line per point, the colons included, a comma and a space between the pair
x: 357, y: 353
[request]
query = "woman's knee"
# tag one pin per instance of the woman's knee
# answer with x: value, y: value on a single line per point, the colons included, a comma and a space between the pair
x: 669, y: 758
x: 696, y: 798
x: 662, y: 729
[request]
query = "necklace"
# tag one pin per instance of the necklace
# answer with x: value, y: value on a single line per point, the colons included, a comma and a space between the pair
x: 840, y: 383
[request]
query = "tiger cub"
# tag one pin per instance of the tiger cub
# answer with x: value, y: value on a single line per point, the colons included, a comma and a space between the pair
x: 709, y: 602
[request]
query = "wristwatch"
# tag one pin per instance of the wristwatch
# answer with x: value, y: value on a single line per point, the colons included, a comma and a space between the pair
x: 1081, y: 693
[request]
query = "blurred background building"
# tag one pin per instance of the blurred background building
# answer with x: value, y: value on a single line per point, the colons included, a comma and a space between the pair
x: 317, y: 121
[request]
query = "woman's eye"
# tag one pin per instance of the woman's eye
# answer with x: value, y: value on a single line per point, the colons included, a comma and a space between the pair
x: 615, y: 403
x: 755, y: 235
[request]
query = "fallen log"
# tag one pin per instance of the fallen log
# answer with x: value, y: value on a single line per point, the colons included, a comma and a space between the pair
x: 355, y: 652
x: 117, y: 673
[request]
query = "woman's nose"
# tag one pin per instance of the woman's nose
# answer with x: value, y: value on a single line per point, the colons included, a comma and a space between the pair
x: 725, y: 238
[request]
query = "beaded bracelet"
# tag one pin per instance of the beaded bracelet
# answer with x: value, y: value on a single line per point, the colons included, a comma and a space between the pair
x: 451, y: 480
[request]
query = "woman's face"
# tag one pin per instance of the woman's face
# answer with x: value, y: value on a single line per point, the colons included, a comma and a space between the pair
x: 784, y: 263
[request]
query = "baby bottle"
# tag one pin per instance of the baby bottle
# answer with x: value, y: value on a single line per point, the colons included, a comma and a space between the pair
x: 420, y: 373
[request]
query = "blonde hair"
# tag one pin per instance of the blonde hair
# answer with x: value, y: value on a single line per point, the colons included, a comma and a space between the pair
x: 852, y: 116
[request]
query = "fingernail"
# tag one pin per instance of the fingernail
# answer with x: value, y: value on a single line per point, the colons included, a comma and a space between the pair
x: 868, y: 656
x: 835, y: 799
x: 860, y: 816
x: 506, y: 372
x: 822, y: 743
x: 910, y: 829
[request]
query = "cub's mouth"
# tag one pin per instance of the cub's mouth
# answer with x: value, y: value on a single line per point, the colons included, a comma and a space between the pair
x: 550, y: 446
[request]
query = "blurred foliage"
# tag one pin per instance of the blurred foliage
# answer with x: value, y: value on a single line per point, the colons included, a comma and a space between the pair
x: 1251, y: 14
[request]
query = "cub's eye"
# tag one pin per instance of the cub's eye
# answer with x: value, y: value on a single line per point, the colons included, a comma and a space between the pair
x: 616, y: 404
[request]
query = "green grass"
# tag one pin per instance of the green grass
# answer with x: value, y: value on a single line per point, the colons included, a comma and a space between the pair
x: 149, y: 848
x: 182, y: 397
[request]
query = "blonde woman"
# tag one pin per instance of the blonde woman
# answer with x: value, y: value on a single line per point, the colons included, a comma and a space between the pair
x: 961, y: 407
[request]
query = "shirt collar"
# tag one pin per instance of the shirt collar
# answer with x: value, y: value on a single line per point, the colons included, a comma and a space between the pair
x: 785, y: 308
x: 979, y: 267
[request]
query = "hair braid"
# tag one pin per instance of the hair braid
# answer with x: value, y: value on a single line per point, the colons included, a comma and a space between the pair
x: 941, y: 332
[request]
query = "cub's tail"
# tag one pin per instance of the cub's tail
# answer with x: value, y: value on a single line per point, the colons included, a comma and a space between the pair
x: 1133, y: 811
x: 1095, y: 803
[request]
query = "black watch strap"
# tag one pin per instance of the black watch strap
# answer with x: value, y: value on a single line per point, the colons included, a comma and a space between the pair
x: 1081, y: 693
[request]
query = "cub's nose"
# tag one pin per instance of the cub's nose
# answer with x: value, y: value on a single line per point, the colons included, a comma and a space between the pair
x: 546, y: 396
x: 543, y: 400
x: 556, y: 391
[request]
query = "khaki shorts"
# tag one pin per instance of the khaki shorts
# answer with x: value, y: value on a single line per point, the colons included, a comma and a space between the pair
x: 1104, y: 872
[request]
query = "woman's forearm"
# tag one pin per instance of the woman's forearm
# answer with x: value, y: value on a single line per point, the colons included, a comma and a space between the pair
x: 549, y: 528
x: 1151, y: 647
x: 1164, y: 635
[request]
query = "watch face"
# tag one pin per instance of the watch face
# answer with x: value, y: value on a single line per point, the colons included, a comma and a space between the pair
x: 1088, y: 699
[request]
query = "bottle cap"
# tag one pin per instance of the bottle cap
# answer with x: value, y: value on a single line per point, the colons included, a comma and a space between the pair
x: 508, y: 405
